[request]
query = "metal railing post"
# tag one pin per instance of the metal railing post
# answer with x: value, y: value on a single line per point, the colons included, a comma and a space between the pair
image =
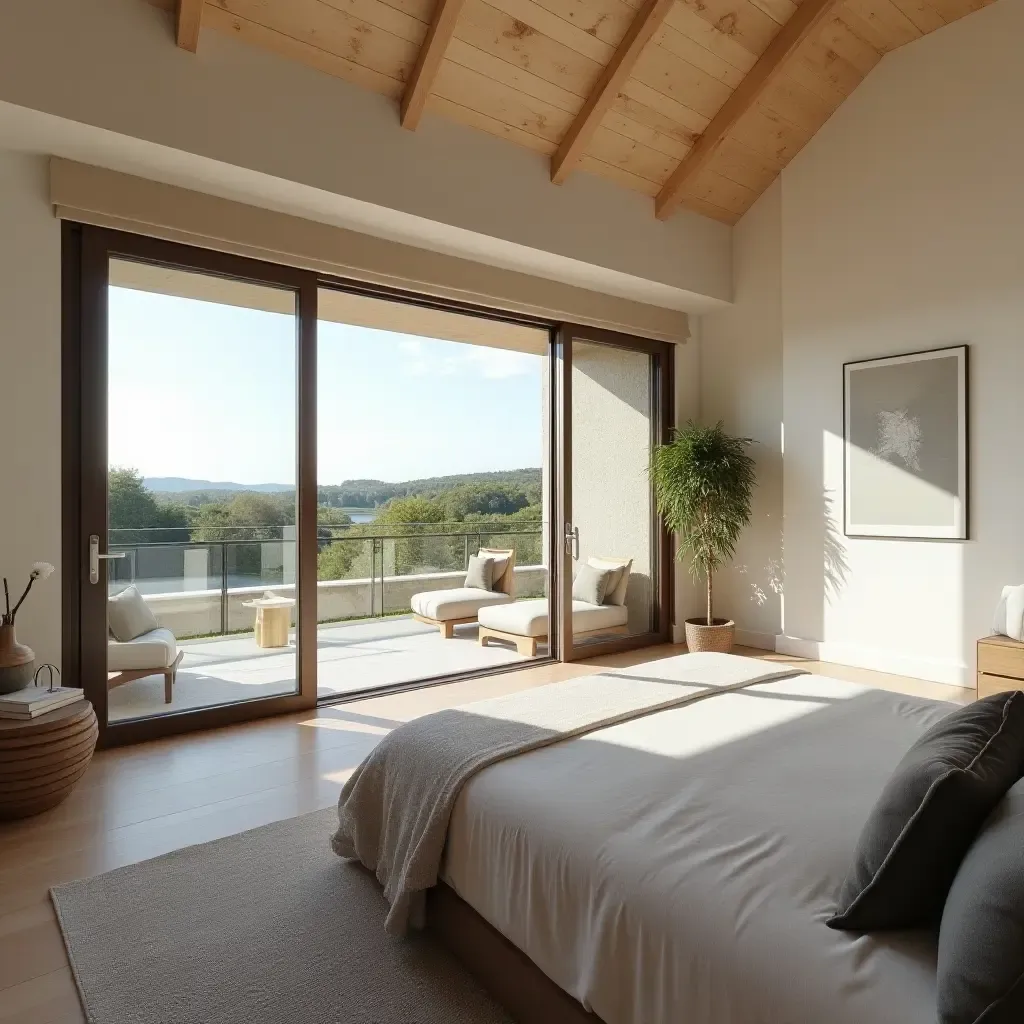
x: 466, y: 539
x: 223, y: 588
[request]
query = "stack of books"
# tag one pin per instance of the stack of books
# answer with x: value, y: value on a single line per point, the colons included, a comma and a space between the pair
x: 37, y: 700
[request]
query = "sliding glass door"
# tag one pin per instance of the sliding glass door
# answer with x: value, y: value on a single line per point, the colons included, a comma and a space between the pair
x: 433, y: 478
x: 615, y: 397
x: 191, y: 458
x: 281, y: 487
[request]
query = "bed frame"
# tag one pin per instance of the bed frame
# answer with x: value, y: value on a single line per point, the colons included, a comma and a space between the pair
x: 505, y: 971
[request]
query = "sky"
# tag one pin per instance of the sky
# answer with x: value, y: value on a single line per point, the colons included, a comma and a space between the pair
x: 207, y: 391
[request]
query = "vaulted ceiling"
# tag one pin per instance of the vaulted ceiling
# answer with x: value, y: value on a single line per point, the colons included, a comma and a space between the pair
x: 696, y: 103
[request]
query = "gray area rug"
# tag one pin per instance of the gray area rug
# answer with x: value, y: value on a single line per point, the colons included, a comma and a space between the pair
x: 266, y: 926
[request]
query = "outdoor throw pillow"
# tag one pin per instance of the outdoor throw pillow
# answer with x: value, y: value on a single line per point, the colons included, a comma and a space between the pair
x: 591, y: 584
x: 480, y: 574
x: 129, y: 616
x: 929, y: 813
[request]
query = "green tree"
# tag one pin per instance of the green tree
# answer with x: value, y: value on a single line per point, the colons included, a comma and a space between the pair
x: 248, y: 516
x: 135, y: 513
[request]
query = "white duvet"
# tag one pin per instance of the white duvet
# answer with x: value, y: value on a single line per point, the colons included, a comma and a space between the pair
x: 678, y: 869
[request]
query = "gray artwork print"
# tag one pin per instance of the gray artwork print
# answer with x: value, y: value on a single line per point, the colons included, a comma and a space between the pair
x: 899, y: 438
x: 903, y: 452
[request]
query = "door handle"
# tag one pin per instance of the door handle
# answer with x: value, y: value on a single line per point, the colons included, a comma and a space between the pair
x: 572, y: 541
x: 95, y: 556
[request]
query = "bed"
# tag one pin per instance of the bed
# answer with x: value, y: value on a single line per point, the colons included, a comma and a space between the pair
x: 679, y: 867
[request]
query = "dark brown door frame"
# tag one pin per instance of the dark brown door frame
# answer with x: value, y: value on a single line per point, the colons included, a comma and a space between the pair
x: 662, y: 363
x: 87, y: 253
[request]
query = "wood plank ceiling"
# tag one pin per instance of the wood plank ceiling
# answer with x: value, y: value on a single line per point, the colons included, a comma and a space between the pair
x: 697, y: 103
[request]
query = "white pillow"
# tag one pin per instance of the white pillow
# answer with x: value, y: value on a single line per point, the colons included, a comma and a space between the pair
x: 129, y: 616
x: 616, y: 592
x: 1009, y: 617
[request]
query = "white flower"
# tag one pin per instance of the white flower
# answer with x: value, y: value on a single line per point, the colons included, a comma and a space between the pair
x: 40, y: 570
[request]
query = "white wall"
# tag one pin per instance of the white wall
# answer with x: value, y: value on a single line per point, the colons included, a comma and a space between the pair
x: 30, y: 422
x: 741, y: 385
x: 901, y: 228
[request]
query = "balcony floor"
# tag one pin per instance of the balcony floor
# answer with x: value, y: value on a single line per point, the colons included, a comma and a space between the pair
x: 351, y: 656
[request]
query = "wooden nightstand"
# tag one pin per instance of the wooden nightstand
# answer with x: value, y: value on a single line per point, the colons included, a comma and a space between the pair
x: 1000, y: 665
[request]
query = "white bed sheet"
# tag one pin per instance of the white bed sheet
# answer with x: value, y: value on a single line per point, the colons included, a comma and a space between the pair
x: 679, y: 868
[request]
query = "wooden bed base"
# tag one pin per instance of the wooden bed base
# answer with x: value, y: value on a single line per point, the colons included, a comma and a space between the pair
x: 506, y: 972
x: 527, y: 645
x: 447, y: 626
x: 129, y: 675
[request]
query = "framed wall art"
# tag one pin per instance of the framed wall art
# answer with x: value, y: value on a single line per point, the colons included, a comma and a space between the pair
x: 905, y: 445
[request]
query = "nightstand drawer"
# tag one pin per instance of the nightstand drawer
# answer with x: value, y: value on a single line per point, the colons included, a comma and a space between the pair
x: 1001, y: 659
x: 987, y: 685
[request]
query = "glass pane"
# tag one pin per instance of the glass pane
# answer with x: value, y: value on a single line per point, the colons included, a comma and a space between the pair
x: 432, y: 448
x: 201, y: 491
x: 614, y: 591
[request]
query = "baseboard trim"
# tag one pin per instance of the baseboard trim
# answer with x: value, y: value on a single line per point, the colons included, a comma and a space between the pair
x: 751, y: 638
x: 934, y: 670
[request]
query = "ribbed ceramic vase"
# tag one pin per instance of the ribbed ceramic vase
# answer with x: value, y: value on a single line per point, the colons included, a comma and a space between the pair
x: 17, y: 662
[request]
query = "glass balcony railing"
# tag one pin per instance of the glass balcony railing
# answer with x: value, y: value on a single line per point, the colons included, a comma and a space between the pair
x: 198, y: 587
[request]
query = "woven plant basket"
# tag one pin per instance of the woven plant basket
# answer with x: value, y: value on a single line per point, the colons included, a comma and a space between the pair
x: 717, y: 638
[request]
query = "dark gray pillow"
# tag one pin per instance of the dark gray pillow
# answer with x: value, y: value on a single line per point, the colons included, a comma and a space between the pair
x: 591, y: 584
x: 480, y: 574
x: 981, y: 941
x: 929, y: 813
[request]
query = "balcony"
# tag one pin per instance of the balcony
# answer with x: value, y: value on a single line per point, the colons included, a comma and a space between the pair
x: 366, y: 636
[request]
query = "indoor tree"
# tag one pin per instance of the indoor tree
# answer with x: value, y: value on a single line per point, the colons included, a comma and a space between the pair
x: 704, y: 481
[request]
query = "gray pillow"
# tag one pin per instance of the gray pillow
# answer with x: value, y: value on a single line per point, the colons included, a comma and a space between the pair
x: 981, y: 939
x: 128, y: 616
x: 480, y: 574
x: 591, y: 584
x: 929, y: 813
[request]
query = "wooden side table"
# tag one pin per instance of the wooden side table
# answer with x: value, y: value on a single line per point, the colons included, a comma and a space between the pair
x: 41, y: 759
x: 273, y: 620
x: 1000, y: 665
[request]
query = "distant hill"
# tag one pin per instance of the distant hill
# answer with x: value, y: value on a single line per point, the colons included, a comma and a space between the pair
x: 178, y: 484
x: 349, y: 494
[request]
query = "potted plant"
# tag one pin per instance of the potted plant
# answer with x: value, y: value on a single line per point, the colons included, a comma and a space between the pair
x: 704, y: 480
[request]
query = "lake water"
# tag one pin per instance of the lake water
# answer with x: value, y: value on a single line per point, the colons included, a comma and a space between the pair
x: 362, y: 517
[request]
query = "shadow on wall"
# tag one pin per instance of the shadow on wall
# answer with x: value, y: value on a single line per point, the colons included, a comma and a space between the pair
x: 835, y: 566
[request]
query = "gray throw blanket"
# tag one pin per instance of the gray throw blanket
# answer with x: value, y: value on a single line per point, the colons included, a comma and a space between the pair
x: 394, y: 811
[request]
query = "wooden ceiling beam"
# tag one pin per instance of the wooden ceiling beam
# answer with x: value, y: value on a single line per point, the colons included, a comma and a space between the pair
x: 808, y: 17
x: 428, y: 62
x: 640, y: 32
x: 189, y: 18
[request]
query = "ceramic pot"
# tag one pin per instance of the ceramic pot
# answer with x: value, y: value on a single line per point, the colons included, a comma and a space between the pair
x: 702, y: 637
x: 17, y: 662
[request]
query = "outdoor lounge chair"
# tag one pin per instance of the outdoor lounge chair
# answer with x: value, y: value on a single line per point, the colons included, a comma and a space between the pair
x: 525, y: 623
x: 447, y: 609
x: 153, y: 653
x: 138, y: 647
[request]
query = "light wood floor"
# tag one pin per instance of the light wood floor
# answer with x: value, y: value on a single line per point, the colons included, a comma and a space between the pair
x: 139, y: 802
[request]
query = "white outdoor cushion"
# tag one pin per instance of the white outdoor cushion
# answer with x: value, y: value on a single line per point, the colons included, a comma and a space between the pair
x: 128, y: 615
x: 156, y: 649
x: 460, y: 603
x: 617, y: 585
x: 530, y: 618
